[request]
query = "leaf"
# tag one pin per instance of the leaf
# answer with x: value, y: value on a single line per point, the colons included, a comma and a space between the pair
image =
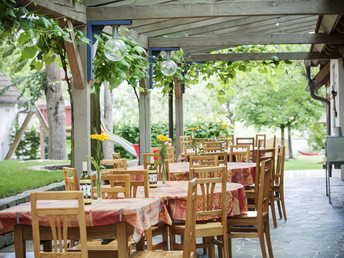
x: 23, y: 37
x: 221, y: 99
x: 45, y: 22
x: 20, y: 66
x: 38, y: 65
x: 210, y: 86
x: 8, y: 52
x: 139, y: 50
x: 29, y: 52
x: 50, y: 59
x: 10, y: 12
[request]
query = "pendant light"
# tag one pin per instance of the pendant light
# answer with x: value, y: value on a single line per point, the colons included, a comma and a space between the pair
x: 168, y: 67
x: 115, y: 49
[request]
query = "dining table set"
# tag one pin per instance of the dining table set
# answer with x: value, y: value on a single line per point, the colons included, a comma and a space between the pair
x: 123, y: 217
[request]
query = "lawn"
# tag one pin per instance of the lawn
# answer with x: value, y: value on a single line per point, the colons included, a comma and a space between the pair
x: 16, y: 176
x: 301, y: 162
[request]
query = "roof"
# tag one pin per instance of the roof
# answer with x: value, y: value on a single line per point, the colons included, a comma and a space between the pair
x: 11, y: 94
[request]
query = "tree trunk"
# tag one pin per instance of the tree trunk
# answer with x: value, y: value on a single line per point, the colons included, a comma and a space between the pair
x: 282, y: 134
x: 108, y: 102
x: 170, y: 113
x: 56, y: 113
x: 289, y: 142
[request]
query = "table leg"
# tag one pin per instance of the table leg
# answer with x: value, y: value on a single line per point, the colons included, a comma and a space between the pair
x: 122, y: 239
x: 47, y: 246
x: 19, y: 242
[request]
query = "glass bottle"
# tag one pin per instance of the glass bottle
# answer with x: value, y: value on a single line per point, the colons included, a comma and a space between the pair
x: 85, y: 184
x: 152, y: 175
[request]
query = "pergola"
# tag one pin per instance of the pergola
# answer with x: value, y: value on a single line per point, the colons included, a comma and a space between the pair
x: 199, y: 27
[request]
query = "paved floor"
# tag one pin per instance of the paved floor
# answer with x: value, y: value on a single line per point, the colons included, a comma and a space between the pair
x: 314, y: 227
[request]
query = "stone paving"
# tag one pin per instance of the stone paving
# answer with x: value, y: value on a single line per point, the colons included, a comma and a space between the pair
x: 314, y: 227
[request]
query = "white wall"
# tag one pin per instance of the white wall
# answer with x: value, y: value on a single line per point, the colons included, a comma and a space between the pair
x: 7, y: 115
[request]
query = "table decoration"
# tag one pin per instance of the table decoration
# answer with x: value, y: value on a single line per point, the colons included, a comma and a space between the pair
x: 193, y: 138
x: 96, y: 162
x: 164, y: 141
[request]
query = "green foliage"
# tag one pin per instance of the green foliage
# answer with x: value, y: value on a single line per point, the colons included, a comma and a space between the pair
x: 28, y: 147
x: 132, y: 68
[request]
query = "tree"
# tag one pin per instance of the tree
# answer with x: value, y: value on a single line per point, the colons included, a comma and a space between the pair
x: 56, y: 113
x: 277, y: 99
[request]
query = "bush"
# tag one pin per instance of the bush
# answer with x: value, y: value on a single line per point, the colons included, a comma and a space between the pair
x: 28, y: 147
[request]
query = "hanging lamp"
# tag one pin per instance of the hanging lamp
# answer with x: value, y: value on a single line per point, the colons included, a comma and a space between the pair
x: 115, y: 49
x: 168, y: 67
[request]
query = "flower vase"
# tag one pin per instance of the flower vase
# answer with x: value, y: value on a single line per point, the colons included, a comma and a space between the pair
x: 163, y: 171
x: 99, y: 187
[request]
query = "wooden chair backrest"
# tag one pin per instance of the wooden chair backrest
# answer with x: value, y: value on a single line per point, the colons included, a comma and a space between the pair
x: 118, y: 184
x: 263, y: 188
x: 203, y: 161
x: 116, y: 163
x: 146, y: 163
x: 116, y: 155
x: 245, y: 141
x: 138, y: 178
x: 279, y: 174
x: 59, y: 219
x: 221, y: 156
x: 274, y: 142
x: 71, y: 183
x: 262, y: 137
x: 207, y: 190
x: 206, y: 172
x: 239, y: 153
x: 183, y: 141
x: 229, y: 141
x: 212, y: 146
x: 189, y: 247
x: 169, y: 154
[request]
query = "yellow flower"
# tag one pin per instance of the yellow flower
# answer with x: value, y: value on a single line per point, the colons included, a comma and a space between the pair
x: 194, y: 128
x: 224, y: 127
x: 162, y: 138
x: 100, y: 137
x: 219, y: 122
x: 104, y: 137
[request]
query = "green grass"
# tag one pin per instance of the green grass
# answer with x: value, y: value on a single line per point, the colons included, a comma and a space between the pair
x: 16, y: 176
x: 302, y: 162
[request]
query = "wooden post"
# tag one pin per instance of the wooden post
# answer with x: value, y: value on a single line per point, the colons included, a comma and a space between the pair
x: 170, y: 112
x: 41, y: 140
x: 81, y: 112
x: 19, y: 135
x: 145, y: 121
x: 179, y: 114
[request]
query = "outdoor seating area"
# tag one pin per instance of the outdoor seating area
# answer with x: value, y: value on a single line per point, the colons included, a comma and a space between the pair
x: 176, y: 128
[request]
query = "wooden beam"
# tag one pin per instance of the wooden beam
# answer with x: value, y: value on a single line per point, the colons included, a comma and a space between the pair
x: 73, y: 56
x: 323, y: 76
x: 19, y: 135
x: 217, y: 9
x: 141, y: 39
x: 259, y: 56
x: 327, y: 25
x: 249, y: 39
x: 58, y: 9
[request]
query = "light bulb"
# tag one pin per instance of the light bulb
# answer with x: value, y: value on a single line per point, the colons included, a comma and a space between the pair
x: 115, y: 49
x: 168, y: 68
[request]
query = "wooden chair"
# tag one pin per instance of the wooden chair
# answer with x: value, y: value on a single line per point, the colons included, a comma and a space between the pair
x: 278, y: 187
x: 229, y: 141
x: 71, y: 183
x: 274, y: 142
x: 203, y: 161
x: 261, y: 137
x: 169, y: 155
x: 252, y: 192
x: 206, y: 172
x: 134, y: 181
x: 118, y: 184
x: 146, y: 163
x: 221, y: 156
x: 211, y: 228
x: 115, y: 163
x: 184, y: 140
x: 189, y: 247
x: 212, y: 146
x: 116, y: 155
x: 255, y: 223
x: 245, y: 141
x: 58, y: 218
x: 239, y: 153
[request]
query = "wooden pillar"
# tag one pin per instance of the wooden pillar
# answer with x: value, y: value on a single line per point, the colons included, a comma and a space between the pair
x: 81, y: 111
x: 170, y: 112
x: 145, y: 121
x: 179, y: 114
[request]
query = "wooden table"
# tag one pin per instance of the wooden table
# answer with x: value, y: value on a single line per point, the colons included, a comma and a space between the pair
x: 113, y: 219
x: 174, y: 194
x: 238, y: 172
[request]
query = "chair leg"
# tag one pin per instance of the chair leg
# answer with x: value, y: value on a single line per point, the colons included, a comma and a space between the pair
x: 268, y: 239
x: 172, y: 240
x: 225, y: 246
x: 204, y: 239
x: 229, y: 247
x: 273, y: 212
x: 283, y: 205
x: 165, y: 239
x: 279, y: 206
x: 261, y: 240
x: 219, y: 247
x: 212, y: 249
x: 149, y: 237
